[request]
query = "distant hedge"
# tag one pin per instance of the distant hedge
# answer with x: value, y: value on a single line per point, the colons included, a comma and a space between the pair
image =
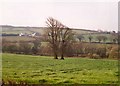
x: 10, y: 34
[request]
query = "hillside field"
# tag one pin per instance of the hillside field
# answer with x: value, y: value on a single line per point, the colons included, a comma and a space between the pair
x: 46, y: 70
x: 41, y: 30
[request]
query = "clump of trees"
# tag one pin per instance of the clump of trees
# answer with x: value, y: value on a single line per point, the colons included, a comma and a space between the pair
x: 21, y: 47
x: 102, y: 38
x: 36, y: 46
x: 80, y: 37
x: 59, y: 36
x: 90, y: 38
x: 99, y: 38
x: 25, y: 48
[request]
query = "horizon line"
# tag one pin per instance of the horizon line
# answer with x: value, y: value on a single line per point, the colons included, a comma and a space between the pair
x: 46, y: 26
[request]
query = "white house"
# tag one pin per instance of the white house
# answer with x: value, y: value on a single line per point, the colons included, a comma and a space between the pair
x: 33, y: 34
x: 21, y: 34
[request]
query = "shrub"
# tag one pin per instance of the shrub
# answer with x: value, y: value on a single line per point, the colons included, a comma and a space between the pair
x: 25, y: 48
x: 70, y: 50
x: 95, y: 56
x: 114, y: 53
x: 89, y: 55
x: 46, y: 50
x: 102, y: 52
x: 11, y: 48
x: 36, y: 46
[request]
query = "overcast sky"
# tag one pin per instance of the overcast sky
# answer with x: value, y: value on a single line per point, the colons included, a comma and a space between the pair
x: 92, y: 14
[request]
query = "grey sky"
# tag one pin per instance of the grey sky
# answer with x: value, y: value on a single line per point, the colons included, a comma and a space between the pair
x: 87, y: 15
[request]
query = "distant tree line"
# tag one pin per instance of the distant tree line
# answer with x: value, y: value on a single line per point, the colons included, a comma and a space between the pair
x: 99, y: 38
x: 4, y: 34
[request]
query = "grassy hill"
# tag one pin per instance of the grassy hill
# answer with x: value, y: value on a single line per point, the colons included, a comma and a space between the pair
x: 25, y: 29
x: 19, y: 29
x: 46, y: 70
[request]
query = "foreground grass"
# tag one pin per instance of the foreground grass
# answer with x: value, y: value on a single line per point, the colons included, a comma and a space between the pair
x: 46, y: 70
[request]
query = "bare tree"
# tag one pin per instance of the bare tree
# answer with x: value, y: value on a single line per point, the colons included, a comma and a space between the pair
x: 99, y: 38
x: 58, y: 36
x: 65, y: 39
x: 115, y: 37
x: 36, y: 46
x: 90, y: 38
x: 80, y: 37
x: 105, y: 38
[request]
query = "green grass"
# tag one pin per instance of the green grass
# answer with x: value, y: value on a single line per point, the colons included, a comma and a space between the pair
x: 46, y: 70
x: 17, y: 30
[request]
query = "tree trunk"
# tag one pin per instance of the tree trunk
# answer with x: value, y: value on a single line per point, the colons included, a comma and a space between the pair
x: 55, y: 51
x: 55, y: 56
x: 62, y: 53
x: 62, y: 57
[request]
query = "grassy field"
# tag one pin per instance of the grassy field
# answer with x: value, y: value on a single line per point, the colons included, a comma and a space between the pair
x: 46, y: 70
x: 25, y: 38
x: 13, y: 30
x: 17, y: 30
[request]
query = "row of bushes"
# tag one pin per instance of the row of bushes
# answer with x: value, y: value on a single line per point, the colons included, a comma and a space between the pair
x: 90, y: 50
x: 4, y: 34
x: 93, y: 50
x: 22, y: 47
